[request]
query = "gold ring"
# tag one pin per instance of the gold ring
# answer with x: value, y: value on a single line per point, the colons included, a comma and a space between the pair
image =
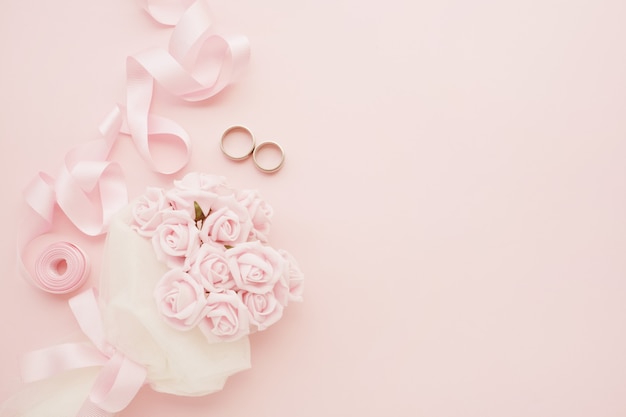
x: 248, y: 151
x: 270, y: 169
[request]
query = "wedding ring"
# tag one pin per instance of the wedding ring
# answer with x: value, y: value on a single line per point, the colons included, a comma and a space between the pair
x: 262, y: 166
x: 230, y: 133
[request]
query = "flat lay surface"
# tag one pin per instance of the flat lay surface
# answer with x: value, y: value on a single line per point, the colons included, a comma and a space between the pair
x: 454, y: 189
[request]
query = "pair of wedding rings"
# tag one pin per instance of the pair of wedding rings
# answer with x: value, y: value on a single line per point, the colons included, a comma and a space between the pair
x: 235, y: 133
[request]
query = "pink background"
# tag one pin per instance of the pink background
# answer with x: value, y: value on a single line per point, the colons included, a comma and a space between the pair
x: 455, y: 191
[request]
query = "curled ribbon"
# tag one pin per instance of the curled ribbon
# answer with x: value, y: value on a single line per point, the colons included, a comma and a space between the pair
x: 88, y: 188
x: 61, y: 268
x: 166, y: 12
x: 197, y: 65
x: 118, y: 381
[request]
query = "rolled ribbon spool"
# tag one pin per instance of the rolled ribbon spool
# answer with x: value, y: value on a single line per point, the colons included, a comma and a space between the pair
x: 61, y: 268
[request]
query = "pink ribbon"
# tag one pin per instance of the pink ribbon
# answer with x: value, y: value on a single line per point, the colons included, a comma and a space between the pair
x: 61, y: 268
x: 197, y: 65
x: 166, y: 12
x: 88, y: 187
x: 118, y: 381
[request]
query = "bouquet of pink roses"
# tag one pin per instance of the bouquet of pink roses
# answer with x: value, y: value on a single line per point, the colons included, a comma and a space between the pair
x: 223, y: 277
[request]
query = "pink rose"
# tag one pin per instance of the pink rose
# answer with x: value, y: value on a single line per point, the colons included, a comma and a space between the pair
x: 260, y: 213
x: 264, y: 309
x: 227, y: 223
x: 176, y: 239
x: 295, y: 277
x: 255, y: 268
x: 183, y: 200
x: 180, y: 299
x: 203, y: 189
x: 281, y: 290
x: 225, y: 317
x: 209, y: 266
x: 200, y: 181
x: 147, y: 211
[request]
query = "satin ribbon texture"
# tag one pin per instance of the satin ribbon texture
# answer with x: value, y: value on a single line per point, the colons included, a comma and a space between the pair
x: 197, y: 65
x: 90, y: 188
x: 61, y: 268
x: 117, y: 382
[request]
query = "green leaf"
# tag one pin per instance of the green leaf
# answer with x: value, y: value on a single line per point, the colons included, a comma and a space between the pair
x: 199, y: 213
x: 228, y: 246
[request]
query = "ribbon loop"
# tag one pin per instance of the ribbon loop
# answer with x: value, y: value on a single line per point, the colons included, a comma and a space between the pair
x: 40, y: 196
x: 190, y: 31
x: 90, y: 210
x: 117, y: 384
x: 166, y: 12
x: 118, y: 381
x: 197, y: 65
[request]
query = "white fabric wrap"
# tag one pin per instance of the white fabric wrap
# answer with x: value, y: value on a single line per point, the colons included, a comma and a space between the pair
x: 179, y: 363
